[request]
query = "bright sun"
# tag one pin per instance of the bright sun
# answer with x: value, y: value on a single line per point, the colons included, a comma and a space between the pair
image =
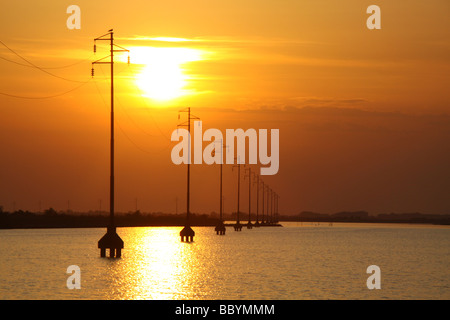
x: 162, y: 77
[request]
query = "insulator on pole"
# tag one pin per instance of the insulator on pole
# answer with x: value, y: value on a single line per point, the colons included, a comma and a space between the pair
x: 95, y: 48
x: 128, y: 60
x: 92, y: 72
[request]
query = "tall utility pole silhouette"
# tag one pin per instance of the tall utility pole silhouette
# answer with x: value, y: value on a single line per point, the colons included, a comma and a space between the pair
x: 220, y: 228
x: 257, y: 199
x: 249, y: 224
x: 238, y: 226
x: 111, y: 239
x: 187, y: 233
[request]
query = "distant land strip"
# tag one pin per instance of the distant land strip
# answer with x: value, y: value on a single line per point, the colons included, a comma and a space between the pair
x: 52, y: 219
x: 94, y: 219
x: 363, y: 216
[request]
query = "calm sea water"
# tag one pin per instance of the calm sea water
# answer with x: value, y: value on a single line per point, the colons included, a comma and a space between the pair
x: 297, y: 261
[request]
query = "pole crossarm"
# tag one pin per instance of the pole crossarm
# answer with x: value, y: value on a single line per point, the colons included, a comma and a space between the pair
x: 122, y: 49
x: 100, y: 60
x: 223, y: 147
x: 110, y: 31
x: 111, y: 56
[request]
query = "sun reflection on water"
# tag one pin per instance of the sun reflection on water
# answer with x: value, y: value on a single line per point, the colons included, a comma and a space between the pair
x: 161, y: 268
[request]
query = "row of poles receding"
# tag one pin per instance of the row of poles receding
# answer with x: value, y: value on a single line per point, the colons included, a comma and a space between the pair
x: 271, y: 199
x: 112, y: 241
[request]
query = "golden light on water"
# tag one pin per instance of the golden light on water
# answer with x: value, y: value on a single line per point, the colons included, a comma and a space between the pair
x: 161, y: 268
x: 163, y: 76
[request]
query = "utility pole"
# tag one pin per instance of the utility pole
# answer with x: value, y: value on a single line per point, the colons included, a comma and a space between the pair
x: 249, y: 224
x: 238, y: 226
x: 220, y: 228
x: 257, y: 199
x: 187, y: 233
x: 263, y: 191
x: 267, y: 205
x: 111, y: 239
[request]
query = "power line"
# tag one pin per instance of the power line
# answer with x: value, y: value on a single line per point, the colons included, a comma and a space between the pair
x: 46, y: 68
x: 123, y: 108
x: 144, y: 101
x: 120, y: 127
x: 123, y: 131
x: 115, y: 120
x: 43, y: 69
x: 45, y: 97
x: 37, y: 67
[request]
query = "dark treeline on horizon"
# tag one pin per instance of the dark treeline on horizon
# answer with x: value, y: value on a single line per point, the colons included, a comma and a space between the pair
x: 50, y: 218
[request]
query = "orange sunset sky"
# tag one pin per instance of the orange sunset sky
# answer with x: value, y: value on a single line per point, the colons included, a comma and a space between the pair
x: 364, y: 115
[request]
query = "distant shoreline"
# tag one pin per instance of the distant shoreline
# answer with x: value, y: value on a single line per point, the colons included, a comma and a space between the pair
x: 279, y: 224
x: 364, y: 217
x: 51, y: 219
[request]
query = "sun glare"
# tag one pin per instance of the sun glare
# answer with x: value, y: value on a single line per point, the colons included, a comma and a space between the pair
x: 162, y: 77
